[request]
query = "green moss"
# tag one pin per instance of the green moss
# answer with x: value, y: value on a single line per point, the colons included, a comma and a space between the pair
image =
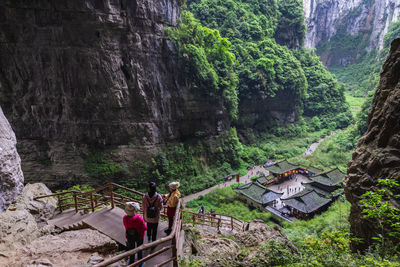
x: 98, y: 163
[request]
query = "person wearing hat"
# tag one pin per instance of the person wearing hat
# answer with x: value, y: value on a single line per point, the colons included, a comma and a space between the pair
x: 135, y: 228
x: 172, y: 200
x: 152, y: 205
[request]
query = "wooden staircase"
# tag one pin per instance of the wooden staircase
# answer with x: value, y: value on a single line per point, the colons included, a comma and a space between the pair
x: 98, y: 209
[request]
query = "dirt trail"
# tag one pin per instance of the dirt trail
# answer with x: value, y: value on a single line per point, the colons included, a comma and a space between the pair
x: 314, y: 146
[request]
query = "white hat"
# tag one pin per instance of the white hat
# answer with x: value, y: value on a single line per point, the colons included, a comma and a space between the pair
x: 174, y: 185
x: 131, y: 208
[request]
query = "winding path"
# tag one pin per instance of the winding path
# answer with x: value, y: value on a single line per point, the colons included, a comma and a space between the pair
x: 251, y: 173
x: 243, y: 179
x: 314, y: 146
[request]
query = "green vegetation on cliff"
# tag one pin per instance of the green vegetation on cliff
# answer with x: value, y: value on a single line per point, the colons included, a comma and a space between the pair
x: 271, y: 77
x: 325, y: 96
x: 206, y: 61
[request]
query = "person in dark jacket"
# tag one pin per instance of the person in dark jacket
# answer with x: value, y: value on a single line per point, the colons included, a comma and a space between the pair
x: 152, y: 205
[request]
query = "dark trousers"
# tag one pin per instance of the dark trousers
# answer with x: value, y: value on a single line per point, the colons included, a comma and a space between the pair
x: 133, y: 242
x: 171, y: 215
x: 152, y: 231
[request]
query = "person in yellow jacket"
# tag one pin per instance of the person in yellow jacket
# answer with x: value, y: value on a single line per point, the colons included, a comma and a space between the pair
x: 172, y: 200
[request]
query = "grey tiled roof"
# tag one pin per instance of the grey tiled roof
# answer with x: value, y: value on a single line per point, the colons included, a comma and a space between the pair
x: 271, y: 196
x: 263, y: 179
x: 281, y: 167
x: 306, y: 201
x: 329, y: 178
x: 258, y: 193
x: 253, y: 191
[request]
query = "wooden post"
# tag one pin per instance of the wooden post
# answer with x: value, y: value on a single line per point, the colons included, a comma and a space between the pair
x: 112, y: 196
x: 76, y: 202
x: 59, y: 203
x: 232, y: 223
x: 194, y: 219
x: 174, y: 251
x: 219, y: 222
x: 91, y: 201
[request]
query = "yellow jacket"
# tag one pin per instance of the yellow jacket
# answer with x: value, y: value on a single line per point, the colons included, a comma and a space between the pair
x: 173, y: 199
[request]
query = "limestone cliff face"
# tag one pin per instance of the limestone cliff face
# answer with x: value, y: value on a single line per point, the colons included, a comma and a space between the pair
x: 377, y: 155
x: 329, y: 18
x: 11, y: 176
x: 81, y: 73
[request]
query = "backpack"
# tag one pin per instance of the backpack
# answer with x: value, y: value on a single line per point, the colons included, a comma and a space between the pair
x: 152, y: 211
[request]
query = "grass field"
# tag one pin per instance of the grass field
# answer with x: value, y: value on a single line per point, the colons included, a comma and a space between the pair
x: 354, y: 102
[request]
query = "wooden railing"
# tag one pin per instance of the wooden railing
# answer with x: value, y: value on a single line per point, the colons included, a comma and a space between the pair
x: 216, y: 220
x: 106, y: 195
x: 63, y: 197
x: 93, y: 199
x: 173, y: 237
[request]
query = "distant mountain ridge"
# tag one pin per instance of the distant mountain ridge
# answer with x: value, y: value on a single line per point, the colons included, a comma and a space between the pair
x: 342, y: 30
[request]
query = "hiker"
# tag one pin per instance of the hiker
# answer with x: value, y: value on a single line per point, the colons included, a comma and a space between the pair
x: 172, y: 200
x: 212, y: 213
x: 135, y: 228
x: 152, y: 205
x: 201, y: 210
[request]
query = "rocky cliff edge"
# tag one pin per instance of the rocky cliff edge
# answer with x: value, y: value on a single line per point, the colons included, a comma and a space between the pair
x: 377, y: 155
x: 11, y: 176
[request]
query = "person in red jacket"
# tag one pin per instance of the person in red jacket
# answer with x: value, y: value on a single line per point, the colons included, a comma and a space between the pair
x: 135, y: 228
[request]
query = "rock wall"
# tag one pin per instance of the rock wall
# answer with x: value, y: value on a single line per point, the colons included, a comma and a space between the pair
x: 377, y: 155
x: 329, y: 18
x: 11, y: 176
x: 87, y: 73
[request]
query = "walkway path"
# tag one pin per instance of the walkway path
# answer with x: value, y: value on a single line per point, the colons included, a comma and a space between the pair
x: 243, y: 179
x: 251, y: 173
x: 314, y: 146
x: 109, y: 222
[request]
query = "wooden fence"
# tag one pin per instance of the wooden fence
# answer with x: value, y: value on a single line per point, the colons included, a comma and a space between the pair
x: 173, y: 237
x: 115, y: 195
x: 97, y: 198
x: 216, y: 220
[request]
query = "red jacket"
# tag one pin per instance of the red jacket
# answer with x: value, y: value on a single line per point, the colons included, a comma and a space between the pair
x: 136, y: 222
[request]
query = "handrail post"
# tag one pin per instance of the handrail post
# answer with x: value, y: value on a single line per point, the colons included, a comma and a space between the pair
x: 219, y: 222
x: 111, y: 196
x: 76, y: 202
x: 91, y: 201
x: 232, y: 223
x: 59, y: 203
x: 174, y: 251
x: 194, y: 219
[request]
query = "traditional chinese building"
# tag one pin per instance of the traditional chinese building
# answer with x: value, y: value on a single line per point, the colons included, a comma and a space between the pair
x: 306, y: 203
x: 320, y: 190
x: 256, y: 195
x: 282, y: 170
x: 264, y: 180
x: 328, y: 184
